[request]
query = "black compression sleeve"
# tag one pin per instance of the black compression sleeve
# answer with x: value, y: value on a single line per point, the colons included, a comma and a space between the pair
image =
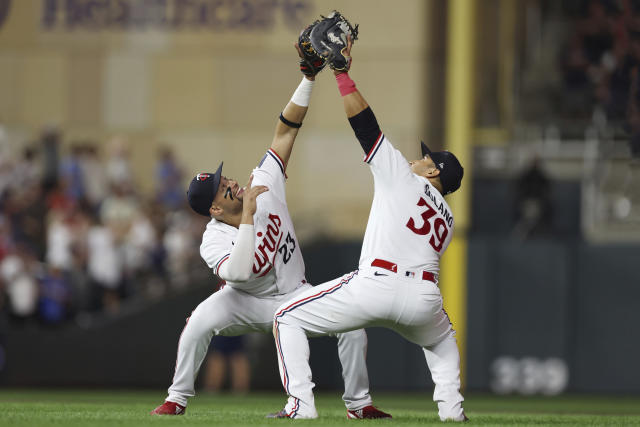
x: 366, y: 128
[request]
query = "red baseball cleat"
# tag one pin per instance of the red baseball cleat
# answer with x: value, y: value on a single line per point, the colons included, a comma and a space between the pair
x: 169, y: 408
x: 368, y: 412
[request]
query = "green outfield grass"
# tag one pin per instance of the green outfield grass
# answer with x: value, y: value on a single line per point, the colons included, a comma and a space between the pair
x: 131, y: 408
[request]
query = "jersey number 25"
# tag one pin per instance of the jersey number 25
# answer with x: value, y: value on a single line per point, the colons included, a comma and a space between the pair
x: 440, y: 230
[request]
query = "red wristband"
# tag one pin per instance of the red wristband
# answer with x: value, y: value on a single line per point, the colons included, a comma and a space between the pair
x: 345, y: 84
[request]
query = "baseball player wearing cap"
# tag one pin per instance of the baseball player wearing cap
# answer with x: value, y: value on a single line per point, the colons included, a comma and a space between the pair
x: 396, y: 284
x: 252, y: 246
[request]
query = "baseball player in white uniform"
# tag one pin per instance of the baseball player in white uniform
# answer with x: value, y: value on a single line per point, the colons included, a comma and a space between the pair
x: 396, y: 284
x: 253, y: 247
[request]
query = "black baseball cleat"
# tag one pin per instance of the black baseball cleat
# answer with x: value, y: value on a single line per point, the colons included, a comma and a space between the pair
x: 281, y: 414
x: 368, y: 412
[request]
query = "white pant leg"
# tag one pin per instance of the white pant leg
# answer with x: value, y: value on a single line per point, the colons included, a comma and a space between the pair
x: 322, y: 310
x: 226, y: 312
x: 352, y: 350
x: 295, y: 373
x: 420, y: 318
x: 443, y: 359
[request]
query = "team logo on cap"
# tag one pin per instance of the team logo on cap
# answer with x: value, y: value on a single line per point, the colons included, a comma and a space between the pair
x: 441, y: 165
x: 202, y: 176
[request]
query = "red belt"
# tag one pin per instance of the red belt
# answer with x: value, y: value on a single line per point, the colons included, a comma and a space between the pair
x: 387, y: 265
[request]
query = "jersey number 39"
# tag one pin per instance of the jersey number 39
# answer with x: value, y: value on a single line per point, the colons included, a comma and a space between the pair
x: 440, y: 230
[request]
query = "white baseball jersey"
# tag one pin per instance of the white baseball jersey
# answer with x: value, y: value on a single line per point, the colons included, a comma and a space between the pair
x: 278, y: 266
x: 409, y: 228
x: 239, y: 308
x: 410, y: 223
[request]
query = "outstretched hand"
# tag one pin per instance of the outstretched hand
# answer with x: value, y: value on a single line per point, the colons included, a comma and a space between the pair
x: 310, y: 65
x: 346, y: 52
x: 249, y: 204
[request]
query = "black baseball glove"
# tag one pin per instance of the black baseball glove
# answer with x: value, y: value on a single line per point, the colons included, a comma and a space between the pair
x: 329, y: 39
x: 310, y: 62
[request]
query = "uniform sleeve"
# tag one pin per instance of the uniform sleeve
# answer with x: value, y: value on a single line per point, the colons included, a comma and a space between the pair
x: 215, y: 250
x: 237, y: 267
x: 270, y: 172
x: 389, y: 167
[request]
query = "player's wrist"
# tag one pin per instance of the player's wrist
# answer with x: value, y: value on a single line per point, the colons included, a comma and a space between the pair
x: 247, y: 216
x: 302, y: 94
x: 345, y: 84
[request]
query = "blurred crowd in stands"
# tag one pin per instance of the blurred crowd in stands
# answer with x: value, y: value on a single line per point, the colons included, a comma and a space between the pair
x: 601, y: 63
x: 78, y: 239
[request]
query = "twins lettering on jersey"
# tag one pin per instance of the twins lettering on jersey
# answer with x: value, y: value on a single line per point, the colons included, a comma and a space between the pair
x: 270, y: 245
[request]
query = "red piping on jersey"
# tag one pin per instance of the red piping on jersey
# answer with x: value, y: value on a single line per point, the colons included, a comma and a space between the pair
x: 366, y: 159
x: 281, y: 162
x: 293, y: 305
x: 226, y: 257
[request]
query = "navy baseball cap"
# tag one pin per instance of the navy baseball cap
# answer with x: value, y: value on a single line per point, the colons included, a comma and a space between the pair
x: 451, y: 171
x: 203, y: 189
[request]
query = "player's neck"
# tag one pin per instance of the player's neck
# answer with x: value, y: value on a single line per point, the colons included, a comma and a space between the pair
x: 436, y: 183
x: 232, y: 220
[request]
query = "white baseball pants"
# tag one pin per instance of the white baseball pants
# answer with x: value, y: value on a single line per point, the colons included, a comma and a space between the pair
x: 232, y: 312
x: 413, y: 308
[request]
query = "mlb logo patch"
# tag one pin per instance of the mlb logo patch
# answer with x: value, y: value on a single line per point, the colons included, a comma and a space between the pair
x: 202, y: 176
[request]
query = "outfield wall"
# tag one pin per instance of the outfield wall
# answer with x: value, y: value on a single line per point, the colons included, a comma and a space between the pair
x: 530, y: 302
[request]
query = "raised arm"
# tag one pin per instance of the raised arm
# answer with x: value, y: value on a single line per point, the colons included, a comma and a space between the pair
x: 360, y: 115
x: 294, y: 112
x: 291, y: 119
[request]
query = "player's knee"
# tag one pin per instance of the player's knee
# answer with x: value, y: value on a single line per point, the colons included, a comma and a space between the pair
x: 279, y: 321
x: 192, y: 332
x: 280, y: 316
x: 199, y: 328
